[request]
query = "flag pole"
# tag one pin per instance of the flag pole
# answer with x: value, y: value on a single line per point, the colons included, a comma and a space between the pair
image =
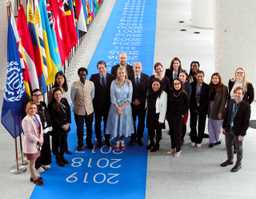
x: 23, y: 162
x: 17, y: 169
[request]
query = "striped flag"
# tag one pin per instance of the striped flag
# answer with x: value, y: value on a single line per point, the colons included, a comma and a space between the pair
x: 49, y: 68
x: 41, y: 42
x: 47, y: 24
x: 81, y: 22
x: 26, y: 50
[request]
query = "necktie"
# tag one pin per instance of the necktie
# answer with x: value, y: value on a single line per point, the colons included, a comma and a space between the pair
x: 137, y: 80
x: 102, y: 81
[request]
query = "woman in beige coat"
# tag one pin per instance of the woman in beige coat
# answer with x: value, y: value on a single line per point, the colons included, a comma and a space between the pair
x: 33, y: 139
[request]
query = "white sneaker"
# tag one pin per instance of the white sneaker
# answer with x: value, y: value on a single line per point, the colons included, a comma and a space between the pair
x: 177, y: 154
x: 171, y: 152
x: 45, y: 167
x: 40, y: 170
x: 198, y: 145
x: 193, y: 144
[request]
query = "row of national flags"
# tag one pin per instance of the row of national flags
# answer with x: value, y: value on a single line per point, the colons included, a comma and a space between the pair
x: 39, y: 42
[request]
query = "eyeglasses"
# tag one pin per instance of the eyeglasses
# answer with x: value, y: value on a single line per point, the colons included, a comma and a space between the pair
x: 37, y: 94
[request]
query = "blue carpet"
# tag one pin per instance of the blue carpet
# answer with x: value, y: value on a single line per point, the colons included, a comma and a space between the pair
x: 104, y: 174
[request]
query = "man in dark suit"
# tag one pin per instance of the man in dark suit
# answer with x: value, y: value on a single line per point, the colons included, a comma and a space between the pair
x: 140, y: 83
x: 235, y: 125
x: 123, y: 63
x: 198, y: 108
x: 101, y: 102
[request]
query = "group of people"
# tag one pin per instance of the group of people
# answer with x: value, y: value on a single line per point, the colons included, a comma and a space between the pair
x: 123, y: 99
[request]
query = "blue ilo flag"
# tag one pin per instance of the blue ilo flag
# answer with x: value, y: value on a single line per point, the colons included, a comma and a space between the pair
x: 14, y: 95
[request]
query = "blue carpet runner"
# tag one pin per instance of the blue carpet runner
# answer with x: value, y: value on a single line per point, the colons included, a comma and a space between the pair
x: 105, y: 174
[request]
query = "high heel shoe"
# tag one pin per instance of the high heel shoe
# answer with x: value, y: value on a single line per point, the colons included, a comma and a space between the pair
x: 37, y: 181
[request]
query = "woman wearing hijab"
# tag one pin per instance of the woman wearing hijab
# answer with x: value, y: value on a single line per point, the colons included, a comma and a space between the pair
x: 156, y: 107
x: 177, y: 107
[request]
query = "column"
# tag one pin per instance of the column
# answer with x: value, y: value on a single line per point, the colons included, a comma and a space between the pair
x: 203, y: 13
x: 235, y: 38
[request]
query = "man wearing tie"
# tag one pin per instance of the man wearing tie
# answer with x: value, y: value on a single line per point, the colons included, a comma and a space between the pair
x: 140, y: 83
x: 123, y: 63
x: 101, y: 102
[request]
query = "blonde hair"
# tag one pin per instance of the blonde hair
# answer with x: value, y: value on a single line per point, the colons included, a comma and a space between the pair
x: 121, y: 69
x: 28, y: 105
x: 244, y: 81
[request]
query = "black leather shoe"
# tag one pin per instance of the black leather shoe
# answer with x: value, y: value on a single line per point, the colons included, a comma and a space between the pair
x: 236, y: 168
x: 226, y: 163
x: 89, y: 146
x: 80, y: 148
x: 217, y: 143
x: 131, y: 142
x: 107, y: 143
x: 60, y: 163
x: 64, y: 161
x: 150, y: 146
x: 98, y: 145
x: 155, y: 148
x: 211, y: 145
x: 140, y: 142
x: 68, y: 152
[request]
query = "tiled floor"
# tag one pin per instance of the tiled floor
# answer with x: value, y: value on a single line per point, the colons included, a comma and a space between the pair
x: 194, y: 175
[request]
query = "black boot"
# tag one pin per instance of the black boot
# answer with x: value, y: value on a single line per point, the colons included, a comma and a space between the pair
x: 150, y: 145
x: 60, y: 161
x: 155, y: 148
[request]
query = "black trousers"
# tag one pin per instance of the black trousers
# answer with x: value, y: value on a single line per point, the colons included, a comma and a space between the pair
x: 197, y: 131
x: 175, y: 131
x: 45, y: 157
x: 58, y: 138
x: 99, y: 117
x: 139, y: 113
x: 66, y: 142
x: 80, y: 120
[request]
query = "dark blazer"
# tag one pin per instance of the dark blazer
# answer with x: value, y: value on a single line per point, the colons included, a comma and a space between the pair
x: 60, y: 115
x: 203, y: 102
x: 241, y: 120
x: 140, y: 90
x: 129, y: 68
x: 168, y: 74
x: 248, y: 96
x: 101, y: 101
